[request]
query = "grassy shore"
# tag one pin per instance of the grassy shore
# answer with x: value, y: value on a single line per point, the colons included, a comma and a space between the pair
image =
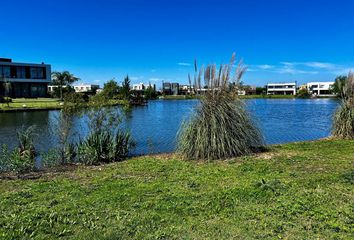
x: 36, y: 103
x: 28, y: 104
x: 294, y: 191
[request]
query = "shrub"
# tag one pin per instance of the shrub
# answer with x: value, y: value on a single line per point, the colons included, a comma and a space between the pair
x: 21, y: 159
x: 221, y: 127
x: 343, y: 122
x: 104, y: 147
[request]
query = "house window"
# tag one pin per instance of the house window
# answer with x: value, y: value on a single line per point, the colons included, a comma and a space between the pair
x: 37, y: 73
x: 20, y: 72
x: 5, y: 71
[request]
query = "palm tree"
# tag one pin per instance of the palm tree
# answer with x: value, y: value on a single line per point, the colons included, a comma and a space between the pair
x: 63, y: 79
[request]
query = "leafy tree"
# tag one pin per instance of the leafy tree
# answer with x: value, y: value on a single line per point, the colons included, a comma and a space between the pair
x: 125, y: 89
x: 64, y: 91
x: 303, y: 93
x: 150, y: 93
x: 63, y: 79
x: 339, y: 84
x: 110, y: 89
x: 261, y: 90
x: 7, y: 89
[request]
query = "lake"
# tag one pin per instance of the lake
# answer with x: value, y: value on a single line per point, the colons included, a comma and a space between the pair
x: 154, y: 127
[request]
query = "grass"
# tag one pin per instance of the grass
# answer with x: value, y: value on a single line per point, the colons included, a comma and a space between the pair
x: 294, y: 191
x: 39, y: 104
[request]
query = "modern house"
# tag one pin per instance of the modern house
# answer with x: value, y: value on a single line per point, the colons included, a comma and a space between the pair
x: 27, y: 80
x: 281, y: 88
x: 86, y: 88
x: 170, y: 88
x: 320, y: 89
x: 141, y: 86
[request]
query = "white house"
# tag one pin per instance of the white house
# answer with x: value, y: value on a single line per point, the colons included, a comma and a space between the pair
x: 321, y: 89
x: 86, y: 88
x: 138, y: 87
x: 142, y: 86
x: 281, y: 88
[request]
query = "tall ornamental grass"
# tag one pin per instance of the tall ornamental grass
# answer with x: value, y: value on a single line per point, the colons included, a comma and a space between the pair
x: 343, y: 122
x: 221, y: 127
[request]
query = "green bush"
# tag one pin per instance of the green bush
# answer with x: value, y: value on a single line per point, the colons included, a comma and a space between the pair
x: 221, y: 127
x: 104, y: 147
x: 22, y: 158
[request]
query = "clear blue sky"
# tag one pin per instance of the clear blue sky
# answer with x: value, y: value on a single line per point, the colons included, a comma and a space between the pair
x: 279, y: 40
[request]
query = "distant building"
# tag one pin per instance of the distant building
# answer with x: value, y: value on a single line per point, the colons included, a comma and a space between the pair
x: 175, y: 88
x: 86, y: 88
x: 138, y: 87
x: 170, y: 88
x: 141, y: 86
x: 281, y: 88
x: 27, y: 80
x: 321, y: 89
x: 51, y: 88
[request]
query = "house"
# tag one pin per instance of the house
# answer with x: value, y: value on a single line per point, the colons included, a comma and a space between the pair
x: 320, y: 89
x: 86, y: 88
x: 29, y: 80
x: 138, y: 87
x: 281, y: 88
x: 170, y: 88
x: 141, y: 86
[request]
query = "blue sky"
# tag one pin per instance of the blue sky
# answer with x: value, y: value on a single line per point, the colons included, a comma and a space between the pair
x: 279, y: 40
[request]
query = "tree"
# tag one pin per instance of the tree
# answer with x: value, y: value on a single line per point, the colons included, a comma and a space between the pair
x: 110, y: 89
x: 61, y: 79
x: 125, y: 89
x: 338, y: 85
x: 150, y: 93
x: 7, y: 89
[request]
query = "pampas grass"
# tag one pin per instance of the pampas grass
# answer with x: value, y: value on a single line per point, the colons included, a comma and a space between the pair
x: 221, y: 127
x: 343, y: 122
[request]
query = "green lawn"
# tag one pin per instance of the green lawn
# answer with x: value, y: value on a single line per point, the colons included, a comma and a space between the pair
x: 35, y: 103
x: 41, y: 103
x: 294, y: 191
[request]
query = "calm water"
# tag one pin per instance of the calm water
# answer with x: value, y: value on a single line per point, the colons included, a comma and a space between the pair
x: 154, y: 127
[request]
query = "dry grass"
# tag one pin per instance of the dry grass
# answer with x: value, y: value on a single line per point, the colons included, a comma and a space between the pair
x: 343, y: 124
x: 221, y: 127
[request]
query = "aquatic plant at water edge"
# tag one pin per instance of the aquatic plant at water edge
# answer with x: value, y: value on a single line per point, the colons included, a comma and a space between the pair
x: 22, y: 158
x: 220, y: 127
x: 343, y: 122
x: 104, y: 147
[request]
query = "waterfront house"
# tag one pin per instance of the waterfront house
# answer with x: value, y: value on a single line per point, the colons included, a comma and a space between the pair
x: 140, y: 87
x: 320, y: 89
x: 281, y: 88
x: 27, y: 80
x: 86, y: 88
x: 170, y: 88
